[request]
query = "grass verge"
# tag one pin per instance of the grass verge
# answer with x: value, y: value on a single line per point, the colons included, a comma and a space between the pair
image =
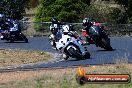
x: 12, y: 57
x: 61, y: 78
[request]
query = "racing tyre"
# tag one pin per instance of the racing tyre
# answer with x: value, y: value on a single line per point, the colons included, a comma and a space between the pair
x: 75, y: 53
x: 11, y: 41
x: 87, y: 55
x: 65, y: 56
x: 106, y: 45
x: 24, y: 37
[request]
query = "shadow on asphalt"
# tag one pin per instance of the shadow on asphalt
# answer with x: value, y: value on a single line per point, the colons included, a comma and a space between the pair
x: 17, y: 42
x: 78, y: 59
x: 107, y: 50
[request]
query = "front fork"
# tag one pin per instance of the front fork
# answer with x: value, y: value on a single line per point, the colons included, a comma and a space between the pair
x: 89, y: 40
x: 93, y: 40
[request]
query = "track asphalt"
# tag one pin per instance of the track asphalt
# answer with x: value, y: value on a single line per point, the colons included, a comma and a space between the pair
x: 122, y: 53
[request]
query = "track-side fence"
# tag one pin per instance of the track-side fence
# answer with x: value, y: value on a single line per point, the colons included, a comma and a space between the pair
x: 29, y: 28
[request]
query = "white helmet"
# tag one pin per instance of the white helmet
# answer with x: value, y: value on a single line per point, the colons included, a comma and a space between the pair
x: 65, y: 28
x: 1, y: 15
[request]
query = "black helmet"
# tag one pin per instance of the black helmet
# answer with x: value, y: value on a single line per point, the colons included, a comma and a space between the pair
x: 86, y: 21
x: 71, y: 27
x: 54, y: 20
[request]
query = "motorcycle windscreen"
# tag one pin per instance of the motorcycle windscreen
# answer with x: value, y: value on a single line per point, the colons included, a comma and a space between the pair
x: 95, y: 30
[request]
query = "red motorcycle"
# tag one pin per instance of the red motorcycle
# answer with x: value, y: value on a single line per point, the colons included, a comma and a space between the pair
x: 98, y: 36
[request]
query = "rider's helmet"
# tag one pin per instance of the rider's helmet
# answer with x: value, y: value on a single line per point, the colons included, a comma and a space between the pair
x: 65, y: 29
x: 87, y: 22
x: 54, y: 20
x: 2, y: 17
x: 71, y: 27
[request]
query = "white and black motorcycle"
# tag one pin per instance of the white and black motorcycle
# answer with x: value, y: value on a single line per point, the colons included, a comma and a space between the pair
x: 71, y: 46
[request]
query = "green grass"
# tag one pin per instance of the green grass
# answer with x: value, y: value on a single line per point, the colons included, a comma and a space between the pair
x: 67, y: 79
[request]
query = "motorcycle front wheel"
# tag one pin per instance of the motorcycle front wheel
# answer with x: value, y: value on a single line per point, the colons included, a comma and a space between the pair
x: 24, y: 37
x: 65, y: 56
x: 75, y: 53
x: 11, y: 40
x: 106, y: 44
x: 87, y: 55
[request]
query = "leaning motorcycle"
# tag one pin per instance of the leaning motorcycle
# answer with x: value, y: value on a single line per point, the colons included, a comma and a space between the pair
x: 71, y: 46
x: 98, y: 36
x: 12, y: 36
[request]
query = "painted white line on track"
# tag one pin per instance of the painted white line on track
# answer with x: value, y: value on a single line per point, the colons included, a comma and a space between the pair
x: 57, y: 61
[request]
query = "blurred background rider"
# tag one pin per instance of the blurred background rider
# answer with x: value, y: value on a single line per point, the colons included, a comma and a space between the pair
x: 56, y: 31
x: 2, y: 21
x: 55, y: 28
x: 87, y: 23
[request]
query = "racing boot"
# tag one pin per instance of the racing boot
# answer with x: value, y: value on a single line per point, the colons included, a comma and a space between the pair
x: 54, y: 45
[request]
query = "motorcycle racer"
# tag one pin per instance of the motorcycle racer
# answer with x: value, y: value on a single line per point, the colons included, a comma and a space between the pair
x: 3, y: 24
x: 56, y: 31
x: 87, y: 23
x: 2, y: 21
